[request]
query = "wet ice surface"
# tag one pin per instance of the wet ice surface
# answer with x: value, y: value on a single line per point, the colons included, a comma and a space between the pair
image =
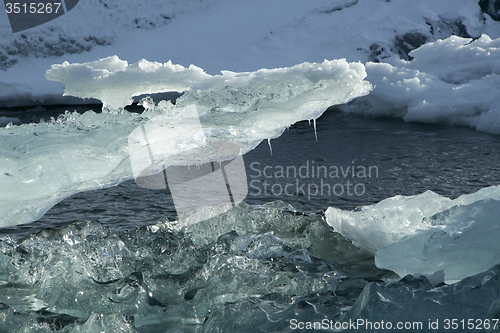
x: 46, y: 162
x: 252, y: 269
x: 256, y: 267
x: 83, y: 278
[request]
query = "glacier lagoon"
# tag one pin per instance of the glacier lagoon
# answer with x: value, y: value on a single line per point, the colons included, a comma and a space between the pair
x: 148, y: 276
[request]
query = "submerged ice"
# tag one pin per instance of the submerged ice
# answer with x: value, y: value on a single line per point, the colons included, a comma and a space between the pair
x: 419, y: 306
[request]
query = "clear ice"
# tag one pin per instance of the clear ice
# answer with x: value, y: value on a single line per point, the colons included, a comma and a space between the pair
x: 427, y: 233
x: 83, y: 278
x: 44, y: 163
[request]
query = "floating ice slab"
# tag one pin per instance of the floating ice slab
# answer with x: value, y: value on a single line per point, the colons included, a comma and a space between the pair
x: 413, y: 304
x: 427, y: 233
x: 463, y: 241
x: 374, y: 227
x: 115, y: 82
x: 43, y: 163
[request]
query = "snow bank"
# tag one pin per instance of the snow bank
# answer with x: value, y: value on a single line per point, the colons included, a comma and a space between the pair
x: 234, y: 35
x: 454, y: 81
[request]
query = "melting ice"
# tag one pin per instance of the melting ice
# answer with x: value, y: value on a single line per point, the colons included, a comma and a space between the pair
x: 427, y: 233
x: 196, y: 278
x: 43, y: 163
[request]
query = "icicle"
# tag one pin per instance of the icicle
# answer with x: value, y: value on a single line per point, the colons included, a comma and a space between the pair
x: 269, y: 143
x: 315, y: 133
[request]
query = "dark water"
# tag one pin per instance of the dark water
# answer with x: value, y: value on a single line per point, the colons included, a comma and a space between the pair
x: 409, y: 158
x: 311, y: 170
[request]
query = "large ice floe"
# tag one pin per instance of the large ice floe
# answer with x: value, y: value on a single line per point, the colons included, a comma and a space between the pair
x: 43, y: 163
x: 427, y: 233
